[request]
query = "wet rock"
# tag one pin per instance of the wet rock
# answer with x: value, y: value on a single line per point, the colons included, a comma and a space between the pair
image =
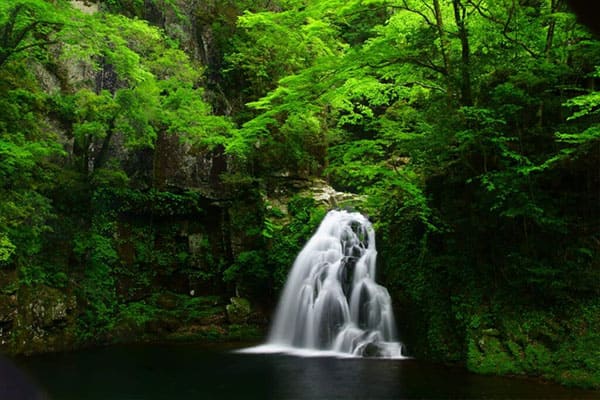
x: 371, y: 350
x: 328, y: 196
x: 281, y: 188
x: 86, y: 7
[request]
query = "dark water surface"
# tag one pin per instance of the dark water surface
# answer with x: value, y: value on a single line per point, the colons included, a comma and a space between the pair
x: 187, y: 371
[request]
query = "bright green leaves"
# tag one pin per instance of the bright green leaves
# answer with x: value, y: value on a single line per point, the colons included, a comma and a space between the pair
x: 93, y: 114
x: 138, y: 109
x: 104, y: 39
x: 277, y: 44
x: 590, y: 134
x: 173, y: 68
x: 27, y: 27
x: 16, y: 161
x: 128, y: 112
x: 27, y: 146
x: 144, y: 86
x: 6, y: 248
x: 359, y: 164
x: 586, y: 109
x: 185, y: 113
x: 586, y: 105
x: 356, y: 99
x: 261, y: 53
x: 103, y: 87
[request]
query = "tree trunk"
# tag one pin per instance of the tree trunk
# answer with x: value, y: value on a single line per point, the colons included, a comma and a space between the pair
x: 465, y: 68
x: 554, y: 7
x: 102, y: 156
x: 444, y: 46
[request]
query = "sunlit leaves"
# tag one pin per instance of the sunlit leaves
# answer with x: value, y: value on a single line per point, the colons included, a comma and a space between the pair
x: 27, y: 27
x: 6, y: 248
x: 277, y: 44
x: 585, y: 105
x: 186, y: 114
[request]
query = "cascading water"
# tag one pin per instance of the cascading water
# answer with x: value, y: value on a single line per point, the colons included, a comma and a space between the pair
x: 331, y: 301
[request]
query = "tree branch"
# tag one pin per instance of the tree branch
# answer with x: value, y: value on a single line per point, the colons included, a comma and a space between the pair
x: 424, y: 85
x: 505, y: 25
x: 11, y: 39
x: 404, y: 6
x: 414, y: 60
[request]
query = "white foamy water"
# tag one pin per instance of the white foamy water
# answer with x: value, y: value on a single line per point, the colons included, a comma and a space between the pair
x: 331, y: 304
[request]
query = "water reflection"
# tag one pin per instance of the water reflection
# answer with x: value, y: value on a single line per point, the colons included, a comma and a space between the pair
x: 197, y: 372
x: 15, y: 385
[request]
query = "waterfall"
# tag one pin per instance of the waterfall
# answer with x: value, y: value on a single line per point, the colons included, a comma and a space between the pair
x: 331, y: 301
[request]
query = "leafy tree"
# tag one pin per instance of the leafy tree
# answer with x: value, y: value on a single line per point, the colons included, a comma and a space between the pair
x: 28, y: 26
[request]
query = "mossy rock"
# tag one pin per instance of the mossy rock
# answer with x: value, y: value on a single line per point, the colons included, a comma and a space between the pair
x: 239, y: 310
x: 42, y: 306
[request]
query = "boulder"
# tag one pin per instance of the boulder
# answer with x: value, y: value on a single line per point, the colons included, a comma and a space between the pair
x: 239, y: 310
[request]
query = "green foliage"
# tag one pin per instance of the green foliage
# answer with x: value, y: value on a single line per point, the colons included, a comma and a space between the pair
x: 28, y: 27
x: 98, y: 285
x: 155, y: 202
x: 306, y: 215
x: 496, y: 360
x: 248, y: 265
x: 154, y: 315
x: 137, y: 314
x: 6, y: 248
x: 273, y: 45
x: 540, y: 344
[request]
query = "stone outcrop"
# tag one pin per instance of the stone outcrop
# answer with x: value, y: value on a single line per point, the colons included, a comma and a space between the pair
x: 44, y: 319
x: 279, y: 190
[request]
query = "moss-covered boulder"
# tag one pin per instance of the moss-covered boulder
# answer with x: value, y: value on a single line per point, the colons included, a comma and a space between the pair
x: 239, y: 310
x: 45, y: 320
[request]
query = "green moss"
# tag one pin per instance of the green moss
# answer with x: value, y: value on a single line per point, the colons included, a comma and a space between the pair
x: 245, y: 332
x: 539, y: 343
x: 238, y: 311
x: 538, y: 359
x: 218, y: 333
x: 489, y: 356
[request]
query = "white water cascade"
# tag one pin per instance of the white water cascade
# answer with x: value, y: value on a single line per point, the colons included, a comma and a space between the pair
x: 331, y: 301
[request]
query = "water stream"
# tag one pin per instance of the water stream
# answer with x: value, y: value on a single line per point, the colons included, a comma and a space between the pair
x: 331, y: 302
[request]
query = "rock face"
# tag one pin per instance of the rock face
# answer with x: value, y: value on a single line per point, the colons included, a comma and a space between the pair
x: 179, y: 164
x: 324, y: 194
x: 85, y: 6
x: 8, y: 315
x: 45, y: 319
x: 280, y: 189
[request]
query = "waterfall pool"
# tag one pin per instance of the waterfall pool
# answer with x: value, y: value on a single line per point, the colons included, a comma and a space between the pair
x: 194, y: 371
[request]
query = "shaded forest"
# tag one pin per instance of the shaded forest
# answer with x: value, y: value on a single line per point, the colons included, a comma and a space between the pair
x: 162, y: 162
